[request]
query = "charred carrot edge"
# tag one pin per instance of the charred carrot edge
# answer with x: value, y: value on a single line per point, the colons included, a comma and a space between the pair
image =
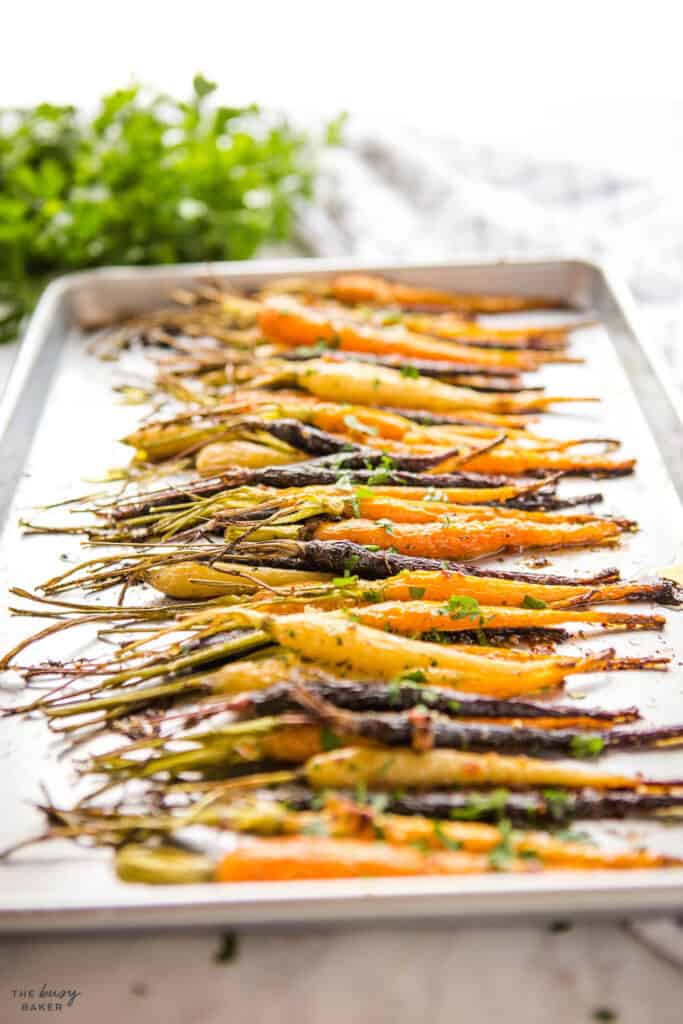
x: 523, y: 808
x: 281, y: 698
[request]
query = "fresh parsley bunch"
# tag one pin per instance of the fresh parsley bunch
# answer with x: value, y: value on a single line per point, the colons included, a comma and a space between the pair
x: 148, y: 179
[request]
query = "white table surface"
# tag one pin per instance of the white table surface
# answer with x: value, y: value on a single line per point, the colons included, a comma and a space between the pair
x: 404, y: 974
x: 524, y: 974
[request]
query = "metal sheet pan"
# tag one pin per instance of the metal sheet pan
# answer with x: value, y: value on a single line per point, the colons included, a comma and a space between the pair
x: 58, y: 426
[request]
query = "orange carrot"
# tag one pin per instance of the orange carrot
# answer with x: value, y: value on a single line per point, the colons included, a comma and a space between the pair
x: 362, y: 652
x: 377, y: 507
x: 447, y: 325
x: 507, y: 458
x: 445, y: 496
x: 361, y: 288
x: 296, y: 858
x: 288, y: 322
x: 434, y: 540
x: 420, y: 616
x: 524, y: 461
x: 440, y: 586
x: 345, y: 818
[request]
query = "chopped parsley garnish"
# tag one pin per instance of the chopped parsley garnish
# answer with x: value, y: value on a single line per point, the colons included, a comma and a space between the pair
x: 329, y: 740
x: 308, y: 351
x: 344, y: 581
x: 416, y: 592
x: 381, y: 473
x: 410, y: 371
x: 227, y: 951
x: 533, y: 602
x: 558, y: 802
x: 568, y: 835
x: 480, y: 805
x: 360, y: 794
x: 444, y: 839
x: 462, y: 607
x: 587, y: 746
x: 502, y: 854
x: 379, y: 802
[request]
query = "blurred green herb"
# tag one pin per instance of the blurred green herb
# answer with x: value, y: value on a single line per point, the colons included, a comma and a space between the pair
x: 227, y: 951
x: 147, y: 179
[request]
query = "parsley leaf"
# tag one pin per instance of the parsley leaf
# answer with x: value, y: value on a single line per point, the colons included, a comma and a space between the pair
x: 144, y: 179
x: 481, y: 805
x: 444, y: 839
x: 344, y: 581
x: 587, y: 746
x: 462, y: 607
x: 329, y: 740
x: 228, y: 949
x: 533, y: 602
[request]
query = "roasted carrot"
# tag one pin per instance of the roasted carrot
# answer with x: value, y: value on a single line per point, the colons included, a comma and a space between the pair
x: 192, y: 580
x: 221, y: 455
x: 393, y: 768
x: 401, y: 511
x: 341, y: 818
x: 440, y: 586
x: 456, y: 495
x: 285, y: 697
x: 165, y: 865
x: 367, y: 288
x: 439, y: 541
x: 465, y: 332
x: 361, y: 384
x: 299, y: 858
x: 542, y: 807
x: 289, y: 322
x: 309, y: 857
x: 417, y: 616
x: 329, y: 638
x: 519, y: 461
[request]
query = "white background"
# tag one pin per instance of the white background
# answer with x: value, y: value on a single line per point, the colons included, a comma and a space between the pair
x: 580, y: 75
